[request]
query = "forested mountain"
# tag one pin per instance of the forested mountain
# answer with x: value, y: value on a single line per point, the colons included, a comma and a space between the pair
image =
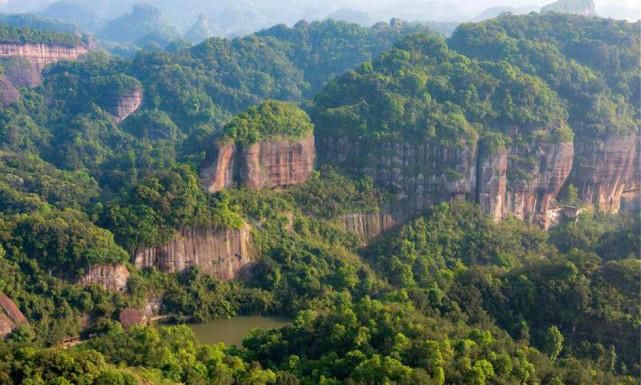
x: 426, y: 210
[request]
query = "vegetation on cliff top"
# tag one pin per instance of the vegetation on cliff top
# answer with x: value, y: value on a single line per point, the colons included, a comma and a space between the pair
x: 422, y: 90
x: 15, y: 35
x: 593, y: 64
x: 270, y: 120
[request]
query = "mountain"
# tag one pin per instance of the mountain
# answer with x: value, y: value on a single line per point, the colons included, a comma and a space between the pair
x: 576, y: 7
x: 422, y: 209
x: 493, y: 12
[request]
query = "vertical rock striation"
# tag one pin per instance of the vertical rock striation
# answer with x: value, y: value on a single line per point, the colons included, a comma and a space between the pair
x: 607, y: 169
x: 42, y: 55
x: 367, y: 226
x: 23, y: 63
x: 267, y: 164
x: 523, y: 181
x: 126, y: 104
x: 109, y: 277
x: 222, y: 254
x: 418, y: 174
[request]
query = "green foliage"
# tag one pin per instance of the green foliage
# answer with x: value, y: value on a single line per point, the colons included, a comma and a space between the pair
x: 553, y: 343
x: 152, y: 211
x: 421, y: 90
x: 267, y: 121
x: 591, y: 63
x: 65, y: 242
x: 16, y: 35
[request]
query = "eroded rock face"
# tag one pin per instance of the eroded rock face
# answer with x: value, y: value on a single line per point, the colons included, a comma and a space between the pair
x: 607, y: 170
x: 110, y: 277
x: 223, y: 254
x: 267, y: 164
x: 126, y: 104
x: 10, y: 316
x: 419, y: 174
x: 41, y: 55
x: 523, y: 181
x: 367, y: 226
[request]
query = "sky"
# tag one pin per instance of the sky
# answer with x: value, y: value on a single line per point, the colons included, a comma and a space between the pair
x: 435, y: 10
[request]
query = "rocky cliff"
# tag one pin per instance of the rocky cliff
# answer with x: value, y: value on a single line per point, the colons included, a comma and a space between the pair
x: 223, y: 254
x: 23, y: 63
x: 607, y: 170
x: 110, y: 277
x: 418, y: 174
x: 10, y: 316
x: 268, y: 164
x: 125, y: 104
x: 523, y: 180
x: 367, y: 226
x: 41, y: 55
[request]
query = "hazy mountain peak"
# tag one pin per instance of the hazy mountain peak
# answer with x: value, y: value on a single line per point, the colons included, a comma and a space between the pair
x: 578, y: 7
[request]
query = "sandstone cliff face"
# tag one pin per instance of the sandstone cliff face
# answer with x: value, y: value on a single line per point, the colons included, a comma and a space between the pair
x: 10, y: 316
x: 268, y: 164
x: 222, y: 254
x: 110, y: 277
x: 23, y: 63
x: 367, y: 226
x: 126, y: 104
x: 41, y: 55
x: 419, y: 174
x: 607, y: 170
x: 523, y: 181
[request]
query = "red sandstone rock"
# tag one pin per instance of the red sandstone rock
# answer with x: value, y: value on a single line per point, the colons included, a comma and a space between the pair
x: 10, y: 316
x: 606, y: 170
x: 223, y: 254
x: 367, y: 226
x: 268, y: 164
x: 131, y: 317
x: 126, y: 104
x: 110, y: 277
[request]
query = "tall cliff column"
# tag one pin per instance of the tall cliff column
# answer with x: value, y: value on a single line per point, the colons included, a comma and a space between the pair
x: 491, y: 188
x: 269, y: 146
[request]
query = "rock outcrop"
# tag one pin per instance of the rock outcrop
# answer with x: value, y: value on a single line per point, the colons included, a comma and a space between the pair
x: 10, y: 316
x: 269, y: 164
x: 23, y: 63
x: 367, y: 226
x: 109, y: 277
x: 607, y: 170
x: 419, y: 174
x: 224, y: 254
x: 575, y: 7
x: 126, y: 104
x: 523, y: 181
x: 42, y: 55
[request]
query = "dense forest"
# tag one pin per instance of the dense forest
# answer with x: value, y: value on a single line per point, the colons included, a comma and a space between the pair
x: 448, y: 295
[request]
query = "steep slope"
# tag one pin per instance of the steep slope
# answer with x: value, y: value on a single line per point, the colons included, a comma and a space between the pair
x: 411, y: 120
x: 593, y: 65
x: 269, y: 146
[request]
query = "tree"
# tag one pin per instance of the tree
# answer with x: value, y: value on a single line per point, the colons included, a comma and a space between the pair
x: 553, y: 343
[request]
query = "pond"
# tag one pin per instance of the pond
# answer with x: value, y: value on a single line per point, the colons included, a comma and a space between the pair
x: 233, y: 331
